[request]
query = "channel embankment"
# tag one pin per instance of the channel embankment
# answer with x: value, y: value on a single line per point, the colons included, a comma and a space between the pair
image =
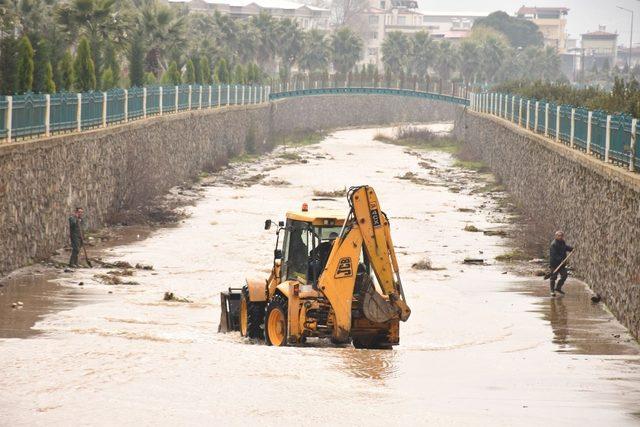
x: 596, y: 204
x: 121, y: 167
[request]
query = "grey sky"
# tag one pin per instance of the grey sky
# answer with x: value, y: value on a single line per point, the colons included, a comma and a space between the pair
x: 585, y: 15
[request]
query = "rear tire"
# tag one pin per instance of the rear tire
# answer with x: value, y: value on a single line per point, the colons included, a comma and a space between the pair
x: 251, y: 316
x: 275, y: 322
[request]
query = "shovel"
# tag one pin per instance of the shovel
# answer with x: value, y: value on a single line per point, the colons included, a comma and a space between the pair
x: 84, y: 249
x: 548, y: 275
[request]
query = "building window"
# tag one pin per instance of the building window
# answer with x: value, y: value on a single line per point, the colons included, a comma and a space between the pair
x: 382, y: 4
x: 374, y: 35
x: 373, y: 19
x: 402, y: 20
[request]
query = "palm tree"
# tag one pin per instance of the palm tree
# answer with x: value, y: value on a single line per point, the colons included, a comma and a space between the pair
x: 98, y: 20
x: 164, y: 31
x: 265, y: 25
x: 315, y: 52
x: 346, y: 50
x: 289, y: 44
x: 492, y: 53
x: 423, y: 53
x: 447, y: 60
x: 395, y: 51
x: 469, y: 60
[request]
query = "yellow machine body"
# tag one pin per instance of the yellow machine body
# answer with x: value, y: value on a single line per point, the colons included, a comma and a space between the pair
x: 336, y: 277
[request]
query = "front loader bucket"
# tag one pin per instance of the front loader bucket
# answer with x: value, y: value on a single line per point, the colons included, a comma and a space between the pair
x: 230, y: 310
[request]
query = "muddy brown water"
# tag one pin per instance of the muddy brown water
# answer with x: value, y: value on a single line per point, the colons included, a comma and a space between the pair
x: 481, y: 348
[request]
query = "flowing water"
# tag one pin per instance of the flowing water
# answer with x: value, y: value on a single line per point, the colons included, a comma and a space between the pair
x: 482, y: 346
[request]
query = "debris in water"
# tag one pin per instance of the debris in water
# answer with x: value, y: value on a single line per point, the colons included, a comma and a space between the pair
x: 109, y: 279
x: 473, y: 261
x: 466, y: 210
x: 81, y: 284
x: 125, y: 272
x: 170, y: 296
x: 596, y: 298
x: 426, y: 264
x: 500, y: 233
x: 407, y: 175
x: 331, y: 194
x: 144, y: 267
x: 471, y: 228
x: 515, y: 255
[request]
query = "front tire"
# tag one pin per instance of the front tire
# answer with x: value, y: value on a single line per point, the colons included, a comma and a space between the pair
x: 251, y: 316
x: 275, y: 325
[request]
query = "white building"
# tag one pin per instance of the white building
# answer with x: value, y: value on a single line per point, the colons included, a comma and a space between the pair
x: 308, y: 17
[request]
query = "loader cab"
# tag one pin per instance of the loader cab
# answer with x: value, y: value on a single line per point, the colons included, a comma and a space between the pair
x: 307, y: 243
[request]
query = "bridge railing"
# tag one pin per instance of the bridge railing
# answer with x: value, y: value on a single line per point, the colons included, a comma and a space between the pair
x: 368, y: 91
x: 41, y: 115
x: 610, y: 137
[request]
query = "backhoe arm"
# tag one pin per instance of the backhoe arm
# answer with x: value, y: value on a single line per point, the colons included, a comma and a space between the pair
x: 376, y: 239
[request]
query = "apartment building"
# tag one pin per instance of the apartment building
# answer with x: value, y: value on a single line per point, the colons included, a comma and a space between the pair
x: 552, y: 22
x: 307, y: 16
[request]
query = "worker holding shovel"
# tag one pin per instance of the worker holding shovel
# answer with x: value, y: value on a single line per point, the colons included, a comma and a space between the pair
x: 75, y: 235
x: 557, y: 261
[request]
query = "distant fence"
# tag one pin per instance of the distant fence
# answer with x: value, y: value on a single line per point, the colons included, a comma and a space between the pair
x: 41, y: 115
x: 369, y: 91
x: 610, y: 137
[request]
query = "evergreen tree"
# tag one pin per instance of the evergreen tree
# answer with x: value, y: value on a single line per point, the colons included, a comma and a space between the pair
x: 111, y: 62
x: 83, y: 69
x: 49, y: 85
x: 238, y: 75
x: 107, y: 80
x: 205, y: 70
x: 41, y: 59
x: 136, y: 62
x: 150, y: 79
x: 8, y: 62
x: 222, y: 74
x: 25, y: 66
x: 171, y: 76
x: 65, y: 72
x: 196, y: 70
x: 190, y: 73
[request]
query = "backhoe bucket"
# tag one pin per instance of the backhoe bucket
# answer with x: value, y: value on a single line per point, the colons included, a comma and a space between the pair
x: 230, y: 310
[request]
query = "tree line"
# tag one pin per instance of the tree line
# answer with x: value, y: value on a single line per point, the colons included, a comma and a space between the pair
x: 85, y: 45
x: 499, y: 48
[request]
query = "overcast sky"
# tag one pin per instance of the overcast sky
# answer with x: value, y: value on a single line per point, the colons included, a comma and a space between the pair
x: 584, y: 15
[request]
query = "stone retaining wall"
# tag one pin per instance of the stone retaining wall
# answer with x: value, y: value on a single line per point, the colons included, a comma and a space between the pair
x: 597, y: 205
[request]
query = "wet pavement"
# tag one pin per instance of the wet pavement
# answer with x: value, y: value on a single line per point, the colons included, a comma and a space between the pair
x: 483, y: 346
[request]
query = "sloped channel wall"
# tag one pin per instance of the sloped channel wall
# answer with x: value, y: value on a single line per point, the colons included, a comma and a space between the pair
x: 121, y: 167
x: 597, y: 205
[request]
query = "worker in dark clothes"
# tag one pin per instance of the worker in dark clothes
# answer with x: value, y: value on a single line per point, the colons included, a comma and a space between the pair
x: 557, y: 254
x: 75, y: 234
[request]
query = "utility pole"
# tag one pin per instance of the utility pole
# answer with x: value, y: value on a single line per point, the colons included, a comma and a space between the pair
x: 630, y: 39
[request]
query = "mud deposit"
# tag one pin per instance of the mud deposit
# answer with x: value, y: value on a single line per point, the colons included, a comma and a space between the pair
x: 483, y: 346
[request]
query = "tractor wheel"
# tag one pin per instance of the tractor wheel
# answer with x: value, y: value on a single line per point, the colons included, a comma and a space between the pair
x: 275, y: 324
x: 371, y: 343
x: 251, y: 316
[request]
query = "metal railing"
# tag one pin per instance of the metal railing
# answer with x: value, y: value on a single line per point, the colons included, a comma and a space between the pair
x: 609, y: 137
x: 368, y: 91
x: 41, y: 115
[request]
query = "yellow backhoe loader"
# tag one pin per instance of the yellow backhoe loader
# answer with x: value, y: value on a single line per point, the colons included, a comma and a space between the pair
x: 335, y: 277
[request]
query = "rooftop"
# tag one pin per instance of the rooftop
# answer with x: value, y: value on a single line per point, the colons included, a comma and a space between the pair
x: 264, y: 4
x: 600, y: 34
x: 525, y: 10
